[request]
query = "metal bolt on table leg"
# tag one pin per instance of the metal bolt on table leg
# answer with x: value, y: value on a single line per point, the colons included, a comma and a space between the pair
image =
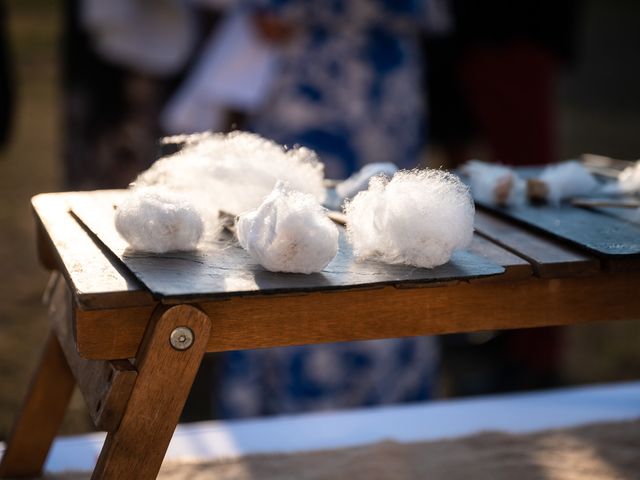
x: 181, y: 338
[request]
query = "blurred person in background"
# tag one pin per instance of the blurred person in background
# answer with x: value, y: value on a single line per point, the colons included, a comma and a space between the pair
x: 121, y: 62
x: 349, y: 87
x: 494, y: 79
x: 347, y: 84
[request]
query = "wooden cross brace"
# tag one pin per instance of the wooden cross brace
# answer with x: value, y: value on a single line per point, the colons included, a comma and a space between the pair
x: 138, y: 403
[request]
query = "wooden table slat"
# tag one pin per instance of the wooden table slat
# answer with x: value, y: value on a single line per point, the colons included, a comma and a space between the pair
x: 549, y: 258
x: 515, y: 267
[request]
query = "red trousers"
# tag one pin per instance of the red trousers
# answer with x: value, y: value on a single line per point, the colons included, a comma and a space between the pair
x: 510, y: 90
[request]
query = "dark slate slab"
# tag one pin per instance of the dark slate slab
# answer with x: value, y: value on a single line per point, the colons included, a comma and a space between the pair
x: 598, y: 231
x: 223, y: 269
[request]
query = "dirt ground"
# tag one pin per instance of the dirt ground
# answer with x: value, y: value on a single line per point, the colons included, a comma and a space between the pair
x: 600, y: 112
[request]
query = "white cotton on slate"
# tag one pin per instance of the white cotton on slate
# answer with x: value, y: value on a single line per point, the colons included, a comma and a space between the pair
x: 289, y: 232
x: 628, y: 181
x: 159, y: 221
x: 419, y: 217
x: 494, y: 184
x: 567, y: 180
x: 234, y: 172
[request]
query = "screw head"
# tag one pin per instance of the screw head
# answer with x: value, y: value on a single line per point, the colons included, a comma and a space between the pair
x: 181, y: 338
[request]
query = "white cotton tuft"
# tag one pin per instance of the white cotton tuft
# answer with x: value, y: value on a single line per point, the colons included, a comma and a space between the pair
x: 567, y: 180
x: 234, y: 172
x: 159, y: 221
x: 289, y: 232
x: 494, y: 184
x: 628, y: 181
x: 360, y: 180
x: 419, y: 217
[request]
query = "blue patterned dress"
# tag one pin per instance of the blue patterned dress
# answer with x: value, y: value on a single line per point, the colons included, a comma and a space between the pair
x: 349, y: 89
x: 350, y: 83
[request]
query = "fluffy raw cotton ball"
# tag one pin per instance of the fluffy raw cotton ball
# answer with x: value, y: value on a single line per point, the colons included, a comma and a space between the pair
x: 494, y: 184
x: 418, y: 218
x: 156, y: 220
x: 234, y: 172
x: 289, y: 232
x: 561, y: 181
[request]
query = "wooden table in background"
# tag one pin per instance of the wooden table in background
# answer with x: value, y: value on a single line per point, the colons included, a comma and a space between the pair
x: 111, y: 333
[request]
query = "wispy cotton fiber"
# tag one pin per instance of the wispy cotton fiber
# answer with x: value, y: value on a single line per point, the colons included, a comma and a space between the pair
x: 628, y: 181
x: 418, y: 217
x: 566, y: 180
x: 360, y: 180
x: 234, y: 172
x: 494, y: 184
x: 155, y: 220
x: 289, y: 232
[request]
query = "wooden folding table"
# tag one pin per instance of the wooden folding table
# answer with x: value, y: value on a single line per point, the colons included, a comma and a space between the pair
x: 130, y: 329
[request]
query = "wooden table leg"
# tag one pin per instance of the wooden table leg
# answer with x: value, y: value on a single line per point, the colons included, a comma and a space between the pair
x: 165, y: 374
x: 41, y: 414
